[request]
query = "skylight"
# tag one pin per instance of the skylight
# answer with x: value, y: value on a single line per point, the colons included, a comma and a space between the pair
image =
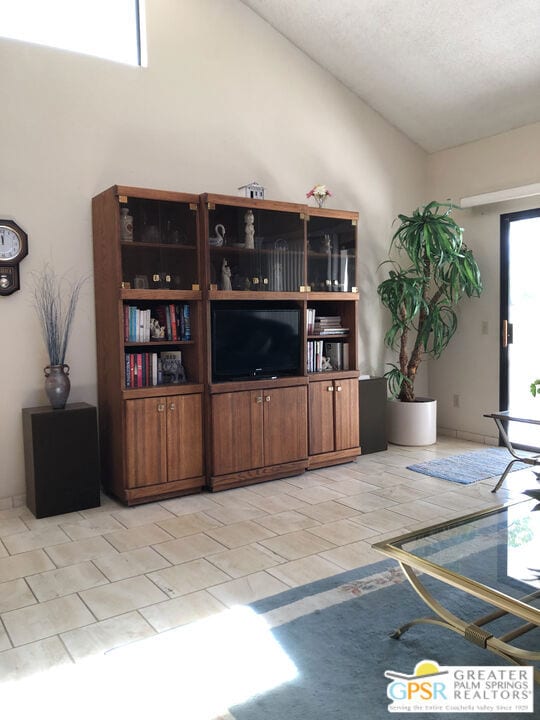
x: 111, y: 29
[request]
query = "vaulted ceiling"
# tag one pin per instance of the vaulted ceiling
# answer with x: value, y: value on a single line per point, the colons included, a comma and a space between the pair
x: 445, y: 72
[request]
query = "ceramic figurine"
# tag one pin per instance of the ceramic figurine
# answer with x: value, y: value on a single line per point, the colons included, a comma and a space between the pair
x: 157, y: 331
x: 249, y: 220
x: 225, y: 275
x: 219, y: 238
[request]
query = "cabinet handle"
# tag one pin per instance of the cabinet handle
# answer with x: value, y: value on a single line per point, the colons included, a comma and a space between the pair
x: 160, y: 407
x: 330, y: 388
x: 267, y: 398
x: 338, y: 388
x: 259, y: 399
x: 172, y: 406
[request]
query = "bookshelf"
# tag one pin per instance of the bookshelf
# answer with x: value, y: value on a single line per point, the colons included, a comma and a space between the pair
x: 149, y: 323
x: 162, y: 260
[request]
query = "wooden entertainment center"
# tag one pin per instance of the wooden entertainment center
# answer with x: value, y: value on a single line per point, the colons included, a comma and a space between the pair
x: 168, y: 268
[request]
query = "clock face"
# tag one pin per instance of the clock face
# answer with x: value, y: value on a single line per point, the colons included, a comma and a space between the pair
x: 10, y: 243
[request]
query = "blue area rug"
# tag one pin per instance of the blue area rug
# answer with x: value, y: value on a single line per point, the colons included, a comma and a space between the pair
x: 470, y: 467
x: 336, y: 632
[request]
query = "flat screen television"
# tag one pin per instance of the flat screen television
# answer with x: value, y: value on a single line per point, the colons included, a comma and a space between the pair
x: 252, y: 340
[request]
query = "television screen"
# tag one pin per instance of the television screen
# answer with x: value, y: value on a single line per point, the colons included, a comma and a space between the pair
x: 255, y: 340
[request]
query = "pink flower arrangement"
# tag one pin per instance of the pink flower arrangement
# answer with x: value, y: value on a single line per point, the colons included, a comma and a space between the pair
x: 319, y: 191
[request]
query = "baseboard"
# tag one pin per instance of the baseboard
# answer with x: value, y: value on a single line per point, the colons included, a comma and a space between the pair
x: 15, y: 501
x: 471, y: 437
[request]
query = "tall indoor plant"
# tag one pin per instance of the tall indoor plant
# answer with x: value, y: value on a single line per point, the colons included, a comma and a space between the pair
x: 432, y: 271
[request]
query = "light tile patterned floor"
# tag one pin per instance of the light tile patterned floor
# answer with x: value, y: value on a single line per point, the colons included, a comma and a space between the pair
x: 74, y: 586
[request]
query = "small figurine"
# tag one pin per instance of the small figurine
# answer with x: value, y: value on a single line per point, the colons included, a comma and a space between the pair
x: 326, y: 364
x: 219, y: 238
x: 157, y: 331
x: 225, y: 275
x: 249, y: 220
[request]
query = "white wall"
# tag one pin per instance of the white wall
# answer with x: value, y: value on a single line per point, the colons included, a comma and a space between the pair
x: 224, y: 100
x: 470, y: 365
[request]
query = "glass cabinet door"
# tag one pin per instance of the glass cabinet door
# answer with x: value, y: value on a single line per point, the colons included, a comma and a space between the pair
x: 256, y: 249
x: 331, y: 265
x: 158, y: 240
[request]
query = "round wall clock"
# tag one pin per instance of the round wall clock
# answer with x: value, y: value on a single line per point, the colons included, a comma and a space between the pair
x: 13, y: 248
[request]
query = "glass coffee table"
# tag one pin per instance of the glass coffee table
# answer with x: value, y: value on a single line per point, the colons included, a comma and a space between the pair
x: 492, y: 555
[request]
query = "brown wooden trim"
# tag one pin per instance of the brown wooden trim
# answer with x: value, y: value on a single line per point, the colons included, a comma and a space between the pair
x: 250, y: 477
x: 240, y: 201
x: 330, y: 213
x: 217, y: 388
x: 135, y: 496
x: 332, y: 375
x: 334, y: 458
x: 138, y: 294
x: 162, y: 390
x: 254, y: 295
x: 330, y: 296
x: 151, y: 194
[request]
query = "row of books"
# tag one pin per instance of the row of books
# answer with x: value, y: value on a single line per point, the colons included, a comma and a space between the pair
x: 324, y: 324
x: 161, y: 322
x: 149, y: 369
x: 324, y: 356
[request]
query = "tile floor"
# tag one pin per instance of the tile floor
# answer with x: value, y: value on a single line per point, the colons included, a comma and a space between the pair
x: 74, y: 586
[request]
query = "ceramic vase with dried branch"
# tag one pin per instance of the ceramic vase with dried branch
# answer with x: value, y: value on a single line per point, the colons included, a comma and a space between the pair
x: 55, y: 302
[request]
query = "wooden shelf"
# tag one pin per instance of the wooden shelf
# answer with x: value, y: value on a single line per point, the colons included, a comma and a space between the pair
x: 159, y: 294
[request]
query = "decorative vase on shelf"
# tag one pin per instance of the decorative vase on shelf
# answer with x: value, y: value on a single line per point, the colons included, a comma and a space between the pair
x: 126, y: 225
x: 319, y: 193
x: 57, y: 385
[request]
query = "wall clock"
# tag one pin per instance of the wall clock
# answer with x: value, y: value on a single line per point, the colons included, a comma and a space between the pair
x: 13, y: 248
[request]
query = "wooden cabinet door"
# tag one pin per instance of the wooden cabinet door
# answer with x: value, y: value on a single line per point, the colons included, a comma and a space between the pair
x: 285, y: 424
x: 237, y: 431
x: 321, y: 417
x: 145, y: 442
x: 184, y: 437
x: 346, y: 414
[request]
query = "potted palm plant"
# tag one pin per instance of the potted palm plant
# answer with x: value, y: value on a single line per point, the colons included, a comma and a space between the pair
x: 432, y: 271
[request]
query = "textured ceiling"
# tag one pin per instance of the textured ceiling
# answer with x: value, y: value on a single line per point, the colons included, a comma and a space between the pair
x: 445, y: 72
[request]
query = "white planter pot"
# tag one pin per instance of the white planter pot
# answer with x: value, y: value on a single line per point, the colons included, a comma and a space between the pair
x: 412, y: 423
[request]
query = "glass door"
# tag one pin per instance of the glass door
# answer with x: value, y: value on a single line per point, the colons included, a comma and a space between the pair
x: 254, y: 248
x: 520, y: 325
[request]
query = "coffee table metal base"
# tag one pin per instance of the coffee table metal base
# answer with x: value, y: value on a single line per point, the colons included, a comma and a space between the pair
x: 473, y: 632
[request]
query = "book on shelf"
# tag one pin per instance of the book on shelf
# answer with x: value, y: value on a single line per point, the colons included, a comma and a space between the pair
x: 141, y: 369
x: 338, y: 355
x: 175, y: 319
x: 174, y: 330
x: 150, y: 369
x: 171, y: 367
x: 331, y: 331
x: 315, y: 356
x: 136, y: 324
x: 328, y: 325
x: 187, y: 323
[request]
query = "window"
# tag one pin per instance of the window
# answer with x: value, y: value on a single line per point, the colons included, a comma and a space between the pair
x: 111, y: 29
